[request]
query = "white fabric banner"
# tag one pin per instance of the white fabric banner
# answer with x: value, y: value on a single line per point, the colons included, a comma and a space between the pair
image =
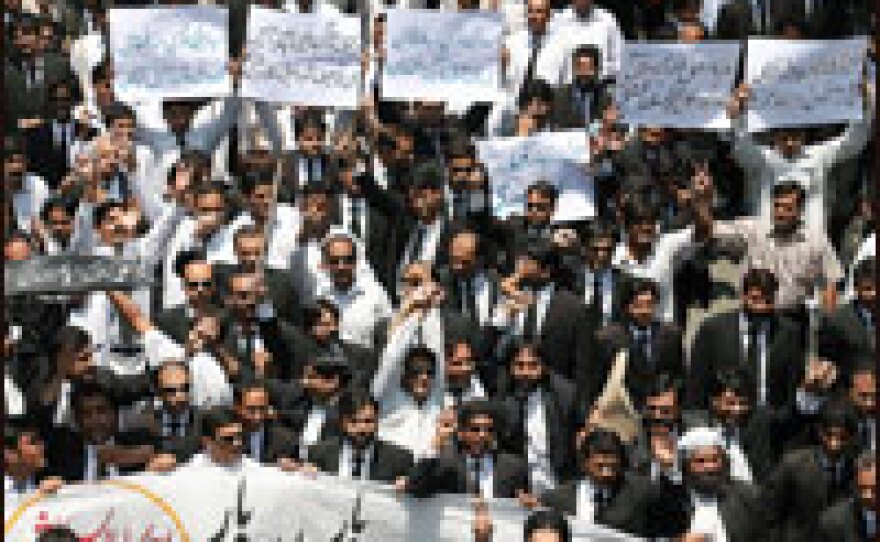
x: 795, y: 83
x: 257, y: 503
x: 560, y: 158
x: 170, y: 52
x: 679, y: 85
x: 302, y: 58
x: 442, y: 56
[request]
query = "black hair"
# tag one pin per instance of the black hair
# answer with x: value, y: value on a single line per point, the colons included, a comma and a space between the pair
x: 312, y: 313
x: 353, y: 400
x: 786, y: 188
x: 636, y: 286
x: 865, y: 270
x: 547, y: 520
x: 460, y: 147
x: 544, y: 188
x: 216, y: 417
x: 543, y: 252
x: 57, y: 533
x: 87, y: 390
x: 838, y: 413
x: 73, y: 337
x: 318, y: 187
x: 733, y: 379
x: 116, y: 111
x: 66, y: 204
x: 255, y: 178
x: 535, y: 89
x: 602, y: 441
x: 186, y: 257
x: 243, y: 388
x: 469, y: 410
x: 600, y: 229
x: 417, y: 356
x: 588, y: 50
x: 638, y: 209
x: 763, y: 279
x: 15, y: 427
x: 660, y: 383
x: 309, y: 120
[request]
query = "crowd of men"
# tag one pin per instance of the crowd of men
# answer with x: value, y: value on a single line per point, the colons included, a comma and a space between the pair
x: 333, y: 293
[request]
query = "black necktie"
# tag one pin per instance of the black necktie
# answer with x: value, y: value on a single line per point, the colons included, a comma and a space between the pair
x: 459, y: 210
x: 530, y: 326
x: 421, y: 232
x: 356, y: 228
x: 597, y: 290
x: 599, y: 504
x: 642, y: 337
x: 533, y: 57
x: 475, y: 477
x: 753, y: 354
x: 357, y: 462
x: 469, y: 301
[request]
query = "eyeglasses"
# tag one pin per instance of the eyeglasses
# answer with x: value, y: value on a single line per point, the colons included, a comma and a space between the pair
x: 197, y: 284
x: 236, y: 438
x: 539, y: 206
x: 339, y: 260
x: 170, y: 390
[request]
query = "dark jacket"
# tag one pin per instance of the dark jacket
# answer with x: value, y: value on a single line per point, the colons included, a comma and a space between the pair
x: 387, y: 462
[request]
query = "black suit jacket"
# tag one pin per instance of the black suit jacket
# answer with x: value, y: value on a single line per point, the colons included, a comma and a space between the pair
x: 387, y: 462
x: 797, y: 492
x: 638, y: 507
x: 48, y: 158
x: 277, y: 339
x: 569, y: 114
x: 579, y: 287
x: 380, y: 238
x: 278, y: 442
x: 667, y: 356
x: 282, y: 290
x: 559, y: 411
x: 742, y: 513
x: 718, y: 344
x: 182, y: 447
x: 842, y: 336
x: 762, y: 437
x: 175, y: 323
x: 843, y: 523
x: 448, y: 474
x: 66, y: 452
x: 289, y: 190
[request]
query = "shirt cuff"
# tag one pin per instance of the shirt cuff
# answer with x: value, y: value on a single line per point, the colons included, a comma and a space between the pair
x: 807, y: 402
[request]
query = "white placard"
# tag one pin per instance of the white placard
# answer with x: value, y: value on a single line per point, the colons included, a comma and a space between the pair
x: 442, y: 56
x: 302, y: 58
x: 514, y: 163
x: 678, y: 85
x: 796, y: 83
x: 262, y: 503
x: 170, y: 52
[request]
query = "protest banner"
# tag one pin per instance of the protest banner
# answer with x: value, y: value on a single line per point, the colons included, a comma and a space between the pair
x: 261, y: 503
x: 305, y: 59
x: 560, y: 158
x: 677, y: 85
x: 170, y: 52
x: 795, y: 83
x: 442, y: 56
x: 67, y: 274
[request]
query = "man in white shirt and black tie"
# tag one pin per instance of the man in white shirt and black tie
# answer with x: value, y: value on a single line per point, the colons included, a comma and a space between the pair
x: 24, y: 460
x: 358, y: 454
x: 425, y: 234
x: 264, y: 441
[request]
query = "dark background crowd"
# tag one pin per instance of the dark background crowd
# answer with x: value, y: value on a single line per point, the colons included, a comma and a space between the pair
x: 332, y: 291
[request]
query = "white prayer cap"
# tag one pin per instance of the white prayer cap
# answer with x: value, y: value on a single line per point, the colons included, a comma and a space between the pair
x: 700, y: 437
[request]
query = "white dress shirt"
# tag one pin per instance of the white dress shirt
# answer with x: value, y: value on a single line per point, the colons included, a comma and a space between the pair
x: 314, y: 424
x: 606, y: 291
x: 568, y: 31
x: 706, y: 519
x: 361, y: 309
x: 13, y: 399
x: 29, y: 200
x: 541, y: 475
x: 486, y: 482
x: 346, y: 462
x: 586, y: 500
x: 762, y: 356
x: 659, y: 266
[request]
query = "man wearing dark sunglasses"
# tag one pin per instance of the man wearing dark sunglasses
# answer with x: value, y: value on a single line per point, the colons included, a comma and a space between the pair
x: 199, y: 291
x: 347, y: 282
x: 222, y: 441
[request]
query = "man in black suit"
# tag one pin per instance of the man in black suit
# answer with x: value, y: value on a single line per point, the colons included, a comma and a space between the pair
x: 358, y: 454
x: 467, y: 198
x: 739, y: 19
x: 537, y: 308
x: 654, y: 453
x: 533, y: 226
x: 261, y: 343
x: 811, y: 479
x: 264, y: 440
x: 475, y: 467
x: 849, y: 332
x: 309, y: 163
x: 281, y: 293
x: 652, y: 346
x: 754, y: 436
x: 96, y: 449
x: 24, y: 459
x: 721, y: 507
x: 581, y: 102
x: 310, y: 405
x: 862, y: 393
x: 200, y: 288
x: 49, y: 144
x: 597, y: 282
x: 425, y: 234
x: 173, y: 421
x: 606, y: 494
x: 854, y: 519
x: 538, y: 407
x: 754, y: 337
x: 471, y: 285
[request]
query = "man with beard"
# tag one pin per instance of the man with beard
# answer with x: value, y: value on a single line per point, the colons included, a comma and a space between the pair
x: 580, y: 103
x: 811, y: 479
x: 539, y: 408
x: 721, y: 508
x: 607, y: 495
x: 855, y: 519
x: 358, y: 454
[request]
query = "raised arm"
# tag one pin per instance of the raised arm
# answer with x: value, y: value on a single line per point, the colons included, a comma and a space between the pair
x: 391, y: 361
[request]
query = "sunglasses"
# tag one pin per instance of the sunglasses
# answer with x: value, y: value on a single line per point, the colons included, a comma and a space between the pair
x: 195, y: 284
x: 236, y: 438
x: 337, y: 260
x: 170, y: 390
